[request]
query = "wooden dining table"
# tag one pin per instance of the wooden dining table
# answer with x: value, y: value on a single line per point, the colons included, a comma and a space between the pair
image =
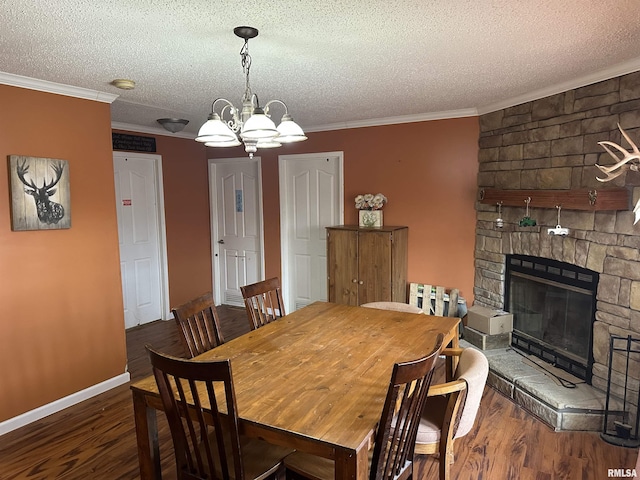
x: 314, y: 380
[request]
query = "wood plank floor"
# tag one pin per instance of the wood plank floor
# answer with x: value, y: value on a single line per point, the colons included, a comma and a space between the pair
x: 96, y: 439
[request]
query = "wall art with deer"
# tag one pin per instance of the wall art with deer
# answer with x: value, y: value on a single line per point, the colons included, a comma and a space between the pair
x: 40, y: 193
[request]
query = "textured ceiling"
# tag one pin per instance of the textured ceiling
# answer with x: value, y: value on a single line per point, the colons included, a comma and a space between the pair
x: 335, y: 63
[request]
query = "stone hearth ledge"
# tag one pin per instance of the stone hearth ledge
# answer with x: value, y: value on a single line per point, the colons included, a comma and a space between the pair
x: 577, y: 409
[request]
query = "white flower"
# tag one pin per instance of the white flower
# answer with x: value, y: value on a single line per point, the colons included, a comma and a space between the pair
x: 369, y: 201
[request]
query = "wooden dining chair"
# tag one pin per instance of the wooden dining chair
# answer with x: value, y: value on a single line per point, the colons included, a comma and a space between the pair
x: 451, y: 408
x: 198, y: 325
x: 263, y: 301
x: 392, y: 457
x: 393, y: 306
x: 207, y: 443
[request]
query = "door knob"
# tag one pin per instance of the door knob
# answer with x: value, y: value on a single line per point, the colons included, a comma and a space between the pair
x: 355, y: 280
x: 221, y: 241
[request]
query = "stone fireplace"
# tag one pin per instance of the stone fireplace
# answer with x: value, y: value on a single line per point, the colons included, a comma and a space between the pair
x: 551, y: 144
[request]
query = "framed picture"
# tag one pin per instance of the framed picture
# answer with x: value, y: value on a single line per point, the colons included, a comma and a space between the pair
x: 40, y: 193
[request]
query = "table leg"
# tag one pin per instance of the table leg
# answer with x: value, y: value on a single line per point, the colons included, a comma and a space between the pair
x: 147, y: 438
x: 352, y: 465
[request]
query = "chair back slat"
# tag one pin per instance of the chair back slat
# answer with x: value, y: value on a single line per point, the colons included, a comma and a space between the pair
x: 263, y: 302
x: 199, y: 325
x: 203, y: 420
x: 396, y: 435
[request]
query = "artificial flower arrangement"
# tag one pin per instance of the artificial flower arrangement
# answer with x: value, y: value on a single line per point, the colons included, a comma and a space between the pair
x: 370, y: 209
x: 369, y: 201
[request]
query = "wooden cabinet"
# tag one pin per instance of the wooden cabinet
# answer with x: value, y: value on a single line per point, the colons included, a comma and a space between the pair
x: 366, y: 264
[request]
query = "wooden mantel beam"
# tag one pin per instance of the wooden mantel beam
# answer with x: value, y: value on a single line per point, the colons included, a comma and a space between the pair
x: 580, y: 199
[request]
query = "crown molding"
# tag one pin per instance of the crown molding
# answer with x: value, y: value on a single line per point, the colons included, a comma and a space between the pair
x: 130, y: 127
x: 377, y: 122
x: 618, y: 70
x: 57, y: 88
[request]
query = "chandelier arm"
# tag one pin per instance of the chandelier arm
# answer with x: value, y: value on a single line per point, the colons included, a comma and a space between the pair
x: 266, y: 107
x: 234, y: 122
x: 220, y: 99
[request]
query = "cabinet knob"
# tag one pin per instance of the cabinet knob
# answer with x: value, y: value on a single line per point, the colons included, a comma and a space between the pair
x: 355, y: 280
x: 360, y: 282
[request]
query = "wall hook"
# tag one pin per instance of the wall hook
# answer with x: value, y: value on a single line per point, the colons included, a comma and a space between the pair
x: 527, y: 221
x: 499, y: 220
x: 559, y: 230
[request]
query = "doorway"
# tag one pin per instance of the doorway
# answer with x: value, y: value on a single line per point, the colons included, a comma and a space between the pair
x: 237, y: 235
x: 142, y: 237
x: 311, y: 198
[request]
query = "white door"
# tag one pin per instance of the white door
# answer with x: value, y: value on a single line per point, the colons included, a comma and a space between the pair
x: 236, y: 195
x: 138, y: 206
x: 311, y: 198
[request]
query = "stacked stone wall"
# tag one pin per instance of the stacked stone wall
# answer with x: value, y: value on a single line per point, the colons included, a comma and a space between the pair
x: 552, y: 144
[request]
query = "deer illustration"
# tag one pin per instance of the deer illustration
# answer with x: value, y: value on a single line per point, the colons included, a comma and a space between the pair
x: 48, y: 212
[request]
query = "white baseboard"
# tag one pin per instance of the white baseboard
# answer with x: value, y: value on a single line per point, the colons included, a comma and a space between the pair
x: 62, y: 403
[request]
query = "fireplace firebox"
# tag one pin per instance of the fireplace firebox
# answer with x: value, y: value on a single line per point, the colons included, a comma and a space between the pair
x: 553, y: 305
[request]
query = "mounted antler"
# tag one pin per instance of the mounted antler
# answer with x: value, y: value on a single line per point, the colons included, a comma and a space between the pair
x: 629, y: 161
x: 622, y: 164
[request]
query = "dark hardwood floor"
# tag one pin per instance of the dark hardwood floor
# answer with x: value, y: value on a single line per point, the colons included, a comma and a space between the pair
x: 96, y: 439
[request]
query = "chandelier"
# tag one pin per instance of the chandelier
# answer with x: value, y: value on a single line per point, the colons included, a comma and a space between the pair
x: 251, y: 124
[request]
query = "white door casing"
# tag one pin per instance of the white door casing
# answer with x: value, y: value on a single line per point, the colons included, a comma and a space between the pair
x: 235, y: 193
x: 311, y: 198
x: 142, y: 237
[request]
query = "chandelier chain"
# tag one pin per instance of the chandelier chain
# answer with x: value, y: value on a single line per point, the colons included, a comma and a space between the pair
x: 246, y: 66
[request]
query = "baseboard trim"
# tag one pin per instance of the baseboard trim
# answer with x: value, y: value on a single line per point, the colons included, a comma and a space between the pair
x: 62, y: 403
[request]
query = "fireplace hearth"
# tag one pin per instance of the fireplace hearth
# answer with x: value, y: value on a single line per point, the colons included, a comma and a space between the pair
x: 553, y: 305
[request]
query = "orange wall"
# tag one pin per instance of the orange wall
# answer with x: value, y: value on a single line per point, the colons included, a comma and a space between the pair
x: 62, y: 326
x: 427, y: 170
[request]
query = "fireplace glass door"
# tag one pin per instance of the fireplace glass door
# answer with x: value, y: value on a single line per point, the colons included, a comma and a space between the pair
x: 553, y: 307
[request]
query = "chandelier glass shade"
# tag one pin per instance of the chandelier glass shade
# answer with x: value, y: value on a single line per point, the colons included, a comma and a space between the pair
x: 252, y: 124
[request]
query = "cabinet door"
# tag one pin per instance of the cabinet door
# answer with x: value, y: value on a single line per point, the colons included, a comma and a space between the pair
x: 374, y: 267
x: 342, y: 266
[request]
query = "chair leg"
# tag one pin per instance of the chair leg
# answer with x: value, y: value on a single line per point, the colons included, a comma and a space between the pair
x: 445, y: 461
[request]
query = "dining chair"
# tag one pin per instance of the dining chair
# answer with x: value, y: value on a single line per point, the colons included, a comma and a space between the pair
x: 451, y: 408
x: 392, y: 456
x: 206, y: 441
x: 263, y: 301
x: 394, y: 306
x: 198, y: 325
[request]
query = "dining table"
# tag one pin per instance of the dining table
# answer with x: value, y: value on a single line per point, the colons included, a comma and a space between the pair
x: 314, y: 380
